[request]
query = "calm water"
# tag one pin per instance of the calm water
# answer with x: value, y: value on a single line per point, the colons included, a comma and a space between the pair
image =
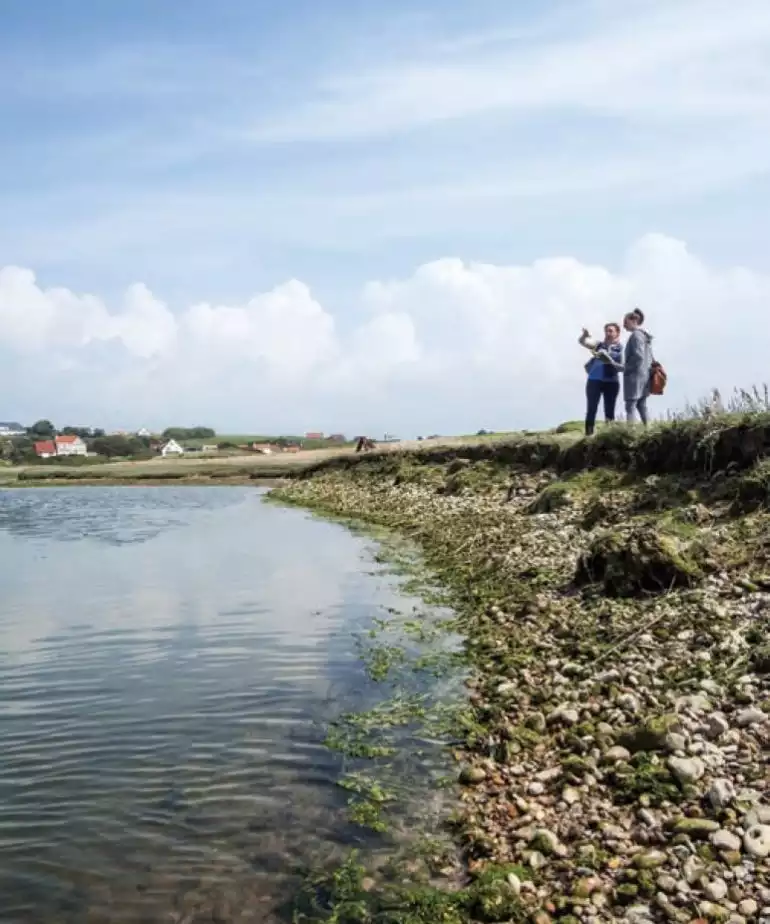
x: 168, y: 659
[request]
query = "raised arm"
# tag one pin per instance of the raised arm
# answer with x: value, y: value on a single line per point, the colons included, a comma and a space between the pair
x: 585, y: 340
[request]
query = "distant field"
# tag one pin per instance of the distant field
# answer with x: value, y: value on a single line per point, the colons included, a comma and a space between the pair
x: 240, y: 439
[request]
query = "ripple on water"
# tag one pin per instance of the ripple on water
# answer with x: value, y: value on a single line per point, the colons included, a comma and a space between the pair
x: 168, y: 657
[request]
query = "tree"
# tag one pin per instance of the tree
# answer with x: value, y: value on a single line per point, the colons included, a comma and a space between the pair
x: 111, y: 446
x: 82, y: 432
x: 188, y: 433
x: 42, y: 429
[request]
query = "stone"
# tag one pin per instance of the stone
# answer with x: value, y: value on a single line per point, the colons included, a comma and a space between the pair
x: 515, y: 883
x: 570, y: 795
x: 725, y: 840
x: 715, y: 889
x: 666, y: 883
x: 716, y: 725
x: 650, y: 859
x: 686, y: 769
x: 675, y: 742
x: 628, y: 702
x: 695, y: 827
x: 535, y: 788
x: 692, y: 869
x: 564, y: 715
x: 721, y: 794
x: 750, y: 716
x: 756, y: 841
x: 616, y: 753
x: 472, y: 776
x: 748, y: 907
x: 652, y: 734
x: 536, y: 721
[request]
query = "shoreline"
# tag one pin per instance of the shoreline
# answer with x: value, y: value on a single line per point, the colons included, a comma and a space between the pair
x: 614, y: 766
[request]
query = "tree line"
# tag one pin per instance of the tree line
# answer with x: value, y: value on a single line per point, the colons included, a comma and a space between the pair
x: 21, y: 448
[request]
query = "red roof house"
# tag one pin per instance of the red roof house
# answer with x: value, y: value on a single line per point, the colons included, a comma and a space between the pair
x: 45, y: 448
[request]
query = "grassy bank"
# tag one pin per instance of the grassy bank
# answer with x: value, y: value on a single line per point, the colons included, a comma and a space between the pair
x: 613, y: 594
x: 226, y: 470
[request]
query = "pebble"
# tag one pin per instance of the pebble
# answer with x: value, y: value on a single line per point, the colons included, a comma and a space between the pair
x: 725, y: 840
x: 717, y: 725
x: 515, y: 883
x: 675, y: 742
x: 535, y: 788
x: 750, y: 716
x: 693, y: 868
x: 473, y: 775
x: 616, y: 753
x: 570, y: 795
x: 686, y: 769
x: 667, y: 884
x: 715, y: 889
x: 756, y: 841
x: 747, y: 907
x: 721, y: 794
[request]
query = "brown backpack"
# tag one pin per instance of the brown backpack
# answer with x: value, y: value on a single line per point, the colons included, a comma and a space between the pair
x: 658, y: 379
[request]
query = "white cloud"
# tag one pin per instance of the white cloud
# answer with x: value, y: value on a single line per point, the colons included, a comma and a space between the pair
x: 454, y: 346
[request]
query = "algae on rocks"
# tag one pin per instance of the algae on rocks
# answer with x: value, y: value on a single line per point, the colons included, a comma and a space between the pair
x: 634, y: 560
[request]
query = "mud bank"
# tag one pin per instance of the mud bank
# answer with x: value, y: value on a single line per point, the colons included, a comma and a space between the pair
x: 615, y: 766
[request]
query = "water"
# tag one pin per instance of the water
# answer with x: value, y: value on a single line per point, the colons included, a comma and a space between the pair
x: 168, y: 659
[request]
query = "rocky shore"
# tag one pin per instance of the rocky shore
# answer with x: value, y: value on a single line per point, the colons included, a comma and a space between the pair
x: 617, y: 767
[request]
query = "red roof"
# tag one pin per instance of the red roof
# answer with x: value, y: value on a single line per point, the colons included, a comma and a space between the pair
x: 66, y: 439
x: 45, y: 446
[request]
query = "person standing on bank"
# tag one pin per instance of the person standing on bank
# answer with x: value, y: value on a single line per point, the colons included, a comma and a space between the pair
x: 603, y: 382
x: 636, y: 367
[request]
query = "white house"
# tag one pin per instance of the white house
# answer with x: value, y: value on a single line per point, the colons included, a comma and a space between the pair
x: 70, y: 446
x: 171, y: 448
x: 143, y: 432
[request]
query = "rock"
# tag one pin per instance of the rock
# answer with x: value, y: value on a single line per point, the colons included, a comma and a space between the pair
x: 650, y: 859
x: 536, y: 721
x: 721, y: 794
x: 636, y: 560
x: 686, y: 769
x: 546, y: 842
x: 628, y: 702
x: 756, y: 841
x: 716, y: 725
x: 472, y: 776
x: 694, y: 827
x: 748, y: 907
x: 750, y: 716
x: 757, y: 815
x: 667, y: 884
x: 564, y: 715
x: 725, y: 840
x: 535, y: 788
x: 715, y: 889
x: 515, y: 883
x: 675, y: 742
x: 616, y: 753
x: 570, y: 795
x: 692, y: 869
x: 652, y: 734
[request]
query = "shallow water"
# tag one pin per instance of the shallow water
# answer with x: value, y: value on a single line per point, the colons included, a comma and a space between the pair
x: 168, y: 660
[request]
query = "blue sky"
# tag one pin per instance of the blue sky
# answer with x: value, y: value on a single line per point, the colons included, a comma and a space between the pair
x: 214, y: 152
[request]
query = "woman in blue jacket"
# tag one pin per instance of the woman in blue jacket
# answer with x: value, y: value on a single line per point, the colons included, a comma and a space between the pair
x: 603, y: 382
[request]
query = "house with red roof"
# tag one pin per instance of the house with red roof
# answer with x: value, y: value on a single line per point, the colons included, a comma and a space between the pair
x: 61, y: 446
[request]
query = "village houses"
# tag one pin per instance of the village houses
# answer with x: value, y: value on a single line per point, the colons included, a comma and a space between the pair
x: 61, y: 446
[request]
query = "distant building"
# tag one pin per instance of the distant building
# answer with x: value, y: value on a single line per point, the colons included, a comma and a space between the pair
x: 44, y: 449
x: 337, y: 438
x: 171, y: 448
x: 209, y: 447
x: 314, y: 436
x: 11, y: 428
x: 70, y: 446
x: 144, y: 432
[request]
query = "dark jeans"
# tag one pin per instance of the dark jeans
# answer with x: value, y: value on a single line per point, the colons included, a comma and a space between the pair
x: 597, y: 390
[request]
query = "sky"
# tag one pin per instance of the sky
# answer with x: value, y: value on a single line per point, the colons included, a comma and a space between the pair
x: 365, y: 217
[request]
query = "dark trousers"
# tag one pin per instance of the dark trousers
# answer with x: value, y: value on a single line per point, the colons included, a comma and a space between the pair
x: 597, y: 390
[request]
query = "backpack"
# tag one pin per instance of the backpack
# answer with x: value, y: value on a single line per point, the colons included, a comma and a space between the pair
x: 658, y: 378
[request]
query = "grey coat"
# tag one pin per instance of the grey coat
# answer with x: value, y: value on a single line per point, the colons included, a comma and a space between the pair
x: 637, y: 362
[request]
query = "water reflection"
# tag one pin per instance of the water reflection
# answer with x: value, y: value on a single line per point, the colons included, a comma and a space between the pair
x: 168, y: 658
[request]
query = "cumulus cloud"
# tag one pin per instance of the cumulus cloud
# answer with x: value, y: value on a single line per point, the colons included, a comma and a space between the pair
x: 452, y: 347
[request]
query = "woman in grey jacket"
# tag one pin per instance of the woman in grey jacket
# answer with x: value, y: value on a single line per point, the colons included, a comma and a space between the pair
x: 637, y: 364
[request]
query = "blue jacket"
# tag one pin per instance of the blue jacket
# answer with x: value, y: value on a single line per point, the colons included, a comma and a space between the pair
x: 604, y: 372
